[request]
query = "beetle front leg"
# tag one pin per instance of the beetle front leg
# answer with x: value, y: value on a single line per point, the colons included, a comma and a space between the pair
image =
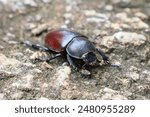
x: 105, y: 58
x: 35, y: 46
x: 71, y: 62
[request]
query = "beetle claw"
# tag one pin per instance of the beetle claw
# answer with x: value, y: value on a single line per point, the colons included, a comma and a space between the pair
x: 106, y: 62
x: 74, y: 68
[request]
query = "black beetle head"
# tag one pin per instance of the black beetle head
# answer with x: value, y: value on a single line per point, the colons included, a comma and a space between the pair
x: 90, y: 59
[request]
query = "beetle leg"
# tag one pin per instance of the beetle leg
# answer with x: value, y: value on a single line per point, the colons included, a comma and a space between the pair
x: 105, y: 58
x: 35, y: 46
x: 49, y: 59
x: 71, y: 62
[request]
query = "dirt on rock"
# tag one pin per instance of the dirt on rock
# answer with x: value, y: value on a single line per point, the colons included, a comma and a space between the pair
x: 123, y: 27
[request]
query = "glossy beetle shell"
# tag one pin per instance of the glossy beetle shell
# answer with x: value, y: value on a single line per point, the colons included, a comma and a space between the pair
x: 79, y: 46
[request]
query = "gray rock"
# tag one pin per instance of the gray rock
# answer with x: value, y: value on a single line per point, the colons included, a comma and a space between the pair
x: 30, y: 3
x: 2, y: 96
x: 95, y: 19
x: 14, y: 4
x: 131, y: 22
x: 93, y: 16
x: 129, y: 38
x: 123, y: 38
x: 133, y: 75
x: 1, y: 47
x: 10, y: 38
x: 141, y: 15
x: 68, y: 16
x: 109, y: 7
x: 41, y: 28
x: 47, y: 1
x: 30, y: 26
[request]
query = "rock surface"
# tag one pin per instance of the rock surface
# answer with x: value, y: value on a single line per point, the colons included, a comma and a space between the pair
x: 121, y: 29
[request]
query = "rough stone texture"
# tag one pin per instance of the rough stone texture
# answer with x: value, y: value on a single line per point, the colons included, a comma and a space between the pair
x: 121, y: 28
x: 129, y: 38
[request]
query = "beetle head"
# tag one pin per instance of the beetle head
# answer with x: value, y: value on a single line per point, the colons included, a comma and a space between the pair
x: 90, y: 59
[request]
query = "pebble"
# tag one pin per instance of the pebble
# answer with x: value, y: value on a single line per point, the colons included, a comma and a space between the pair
x: 95, y: 19
x: 35, y: 55
x: 94, y: 13
x: 10, y: 16
x: 72, y: 3
x: 109, y: 7
x: 90, y: 12
x: 35, y: 71
x: 2, y: 96
x: 38, y: 17
x: 85, y: 72
x: 129, y: 38
x: 30, y: 3
x: 133, y: 75
x: 29, y: 51
x: 116, y: 64
x: 137, y: 23
x: 67, y: 22
x: 30, y: 26
x: 148, y: 63
x: 68, y: 8
x: 106, y: 41
x: 133, y: 22
x: 45, y: 65
x: 1, y: 47
x: 10, y: 38
x: 68, y: 16
x: 27, y: 64
x: 93, y: 16
x: 64, y: 26
x: 47, y: 1
x: 41, y: 28
x: 14, y: 4
x: 141, y: 15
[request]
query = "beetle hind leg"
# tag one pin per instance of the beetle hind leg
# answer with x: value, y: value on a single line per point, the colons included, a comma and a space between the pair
x: 35, y: 46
